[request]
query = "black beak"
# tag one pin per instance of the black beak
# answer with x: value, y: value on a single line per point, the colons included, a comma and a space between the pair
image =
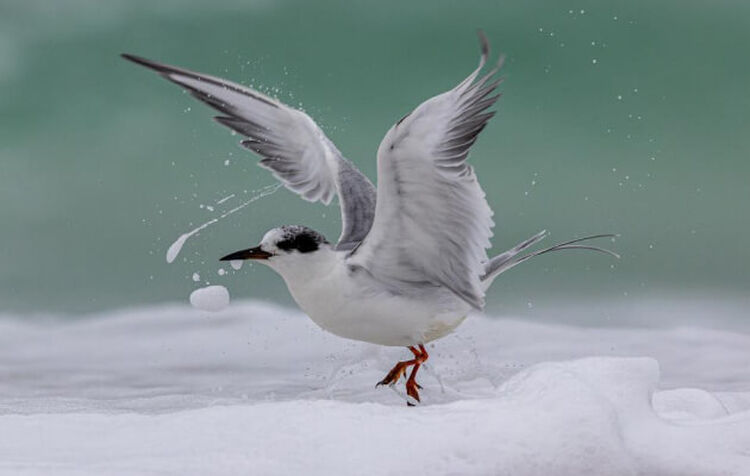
x: 250, y: 253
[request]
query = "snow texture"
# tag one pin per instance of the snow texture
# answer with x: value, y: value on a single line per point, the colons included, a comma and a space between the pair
x: 258, y: 389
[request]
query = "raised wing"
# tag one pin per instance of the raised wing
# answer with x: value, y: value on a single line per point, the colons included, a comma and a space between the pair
x: 432, y: 222
x: 291, y: 145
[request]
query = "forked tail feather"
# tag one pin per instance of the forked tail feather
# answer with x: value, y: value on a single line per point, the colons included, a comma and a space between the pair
x: 505, y: 261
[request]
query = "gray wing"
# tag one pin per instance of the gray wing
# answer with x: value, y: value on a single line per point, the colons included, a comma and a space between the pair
x: 291, y: 145
x: 432, y: 222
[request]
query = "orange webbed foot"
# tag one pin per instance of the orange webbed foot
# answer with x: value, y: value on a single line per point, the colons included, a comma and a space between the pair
x: 399, y: 370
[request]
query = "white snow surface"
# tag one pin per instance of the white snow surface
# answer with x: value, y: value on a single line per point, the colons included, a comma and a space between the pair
x: 258, y: 389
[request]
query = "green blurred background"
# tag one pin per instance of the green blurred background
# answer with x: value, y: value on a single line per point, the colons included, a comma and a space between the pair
x: 617, y: 116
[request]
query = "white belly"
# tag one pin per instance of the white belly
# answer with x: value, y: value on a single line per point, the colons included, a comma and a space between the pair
x: 358, y: 308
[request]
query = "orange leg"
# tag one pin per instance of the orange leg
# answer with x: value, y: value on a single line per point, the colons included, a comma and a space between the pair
x: 412, y: 387
x: 399, y: 370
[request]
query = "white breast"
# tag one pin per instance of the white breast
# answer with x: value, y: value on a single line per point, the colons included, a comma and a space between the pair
x: 351, y: 304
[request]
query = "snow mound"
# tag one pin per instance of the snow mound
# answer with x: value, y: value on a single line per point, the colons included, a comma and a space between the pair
x: 256, y: 389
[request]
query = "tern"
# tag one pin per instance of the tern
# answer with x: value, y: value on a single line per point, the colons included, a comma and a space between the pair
x: 411, y: 260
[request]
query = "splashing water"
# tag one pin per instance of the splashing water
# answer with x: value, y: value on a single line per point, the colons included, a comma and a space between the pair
x: 225, y: 199
x: 176, y: 247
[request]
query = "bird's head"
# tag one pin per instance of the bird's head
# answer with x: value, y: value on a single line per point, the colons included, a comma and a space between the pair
x: 286, y: 248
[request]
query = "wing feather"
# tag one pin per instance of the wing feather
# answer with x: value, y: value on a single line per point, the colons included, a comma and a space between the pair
x: 432, y: 223
x: 291, y: 145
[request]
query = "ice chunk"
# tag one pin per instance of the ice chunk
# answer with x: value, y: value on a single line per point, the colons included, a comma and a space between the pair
x: 210, y: 298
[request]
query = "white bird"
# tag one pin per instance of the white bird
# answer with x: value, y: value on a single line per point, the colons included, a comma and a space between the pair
x: 411, y: 260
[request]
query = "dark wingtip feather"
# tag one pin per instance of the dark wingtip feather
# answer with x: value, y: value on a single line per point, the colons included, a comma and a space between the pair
x: 483, y: 42
x: 587, y: 247
x: 144, y: 62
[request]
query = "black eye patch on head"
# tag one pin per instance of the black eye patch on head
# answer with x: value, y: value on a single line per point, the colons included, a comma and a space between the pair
x: 303, y: 242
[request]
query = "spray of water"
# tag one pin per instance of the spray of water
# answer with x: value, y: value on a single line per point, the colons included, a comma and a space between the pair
x: 176, y: 247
